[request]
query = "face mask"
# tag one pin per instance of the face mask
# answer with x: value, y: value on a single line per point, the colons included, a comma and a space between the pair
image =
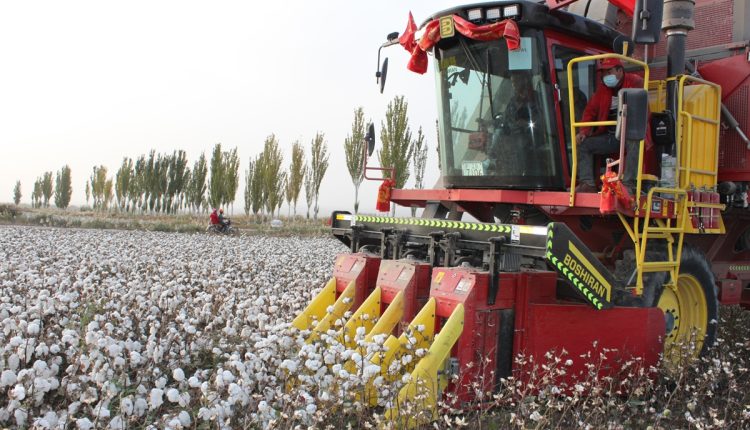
x: 611, y: 81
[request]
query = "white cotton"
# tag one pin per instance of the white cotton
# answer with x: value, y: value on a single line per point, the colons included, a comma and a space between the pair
x: 173, y: 395
x: 194, y: 382
x: 184, y: 418
x: 178, y: 375
x: 117, y: 423
x: 21, y: 416
x: 140, y: 406
x: 18, y: 392
x: 227, y: 376
x: 33, y: 328
x: 126, y: 406
x: 84, y: 424
x: 155, y: 398
x: 7, y: 378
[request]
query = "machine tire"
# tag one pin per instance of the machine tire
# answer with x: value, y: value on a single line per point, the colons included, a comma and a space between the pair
x: 695, y: 284
x: 695, y: 300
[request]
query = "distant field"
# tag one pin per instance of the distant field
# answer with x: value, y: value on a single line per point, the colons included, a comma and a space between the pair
x: 186, y: 223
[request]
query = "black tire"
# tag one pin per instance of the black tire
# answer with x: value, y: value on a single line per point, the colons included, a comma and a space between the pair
x: 694, y: 301
x: 697, y: 286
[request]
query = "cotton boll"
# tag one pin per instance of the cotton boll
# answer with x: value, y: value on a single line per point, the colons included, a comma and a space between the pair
x: 178, y: 375
x: 173, y: 395
x: 140, y: 406
x: 84, y: 424
x: 33, y: 328
x: 7, y: 378
x: 13, y: 362
x: 117, y: 423
x: 184, y: 418
x: 155, y: 398
x: 21, y: 416
x: 126, y: 406
x: 194, y: 382
x: 18, y: 392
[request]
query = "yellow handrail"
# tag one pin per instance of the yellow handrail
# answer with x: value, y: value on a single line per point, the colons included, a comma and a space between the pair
x: 575, y: 125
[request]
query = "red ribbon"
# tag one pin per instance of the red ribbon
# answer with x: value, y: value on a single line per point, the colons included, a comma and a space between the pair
x: 507, y: 29
x: 384, y: 196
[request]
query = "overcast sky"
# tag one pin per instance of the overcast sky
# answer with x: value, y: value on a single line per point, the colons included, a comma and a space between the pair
x: 87, y: 83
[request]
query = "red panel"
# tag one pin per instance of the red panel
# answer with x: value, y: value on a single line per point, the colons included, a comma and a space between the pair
x: 730, y: 291
x: 539, y: 198
x: 621, y: 334
x: 361, y: 268
x: 410, y: 277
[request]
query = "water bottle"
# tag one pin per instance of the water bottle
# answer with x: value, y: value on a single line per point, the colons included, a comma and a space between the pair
x: 668, y: 168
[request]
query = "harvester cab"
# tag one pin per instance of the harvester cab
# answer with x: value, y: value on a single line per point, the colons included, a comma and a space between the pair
x: 438, y: 309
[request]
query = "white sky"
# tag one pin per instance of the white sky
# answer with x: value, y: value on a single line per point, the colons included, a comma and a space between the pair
x: 86, y: 83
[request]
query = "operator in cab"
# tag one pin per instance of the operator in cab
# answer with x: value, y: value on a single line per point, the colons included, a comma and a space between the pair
x: 518, y: 125
x: 602, y: 140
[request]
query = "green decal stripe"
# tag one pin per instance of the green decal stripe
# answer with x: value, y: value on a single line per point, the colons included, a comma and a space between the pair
x: 457, y: 225
x: 563, y: 269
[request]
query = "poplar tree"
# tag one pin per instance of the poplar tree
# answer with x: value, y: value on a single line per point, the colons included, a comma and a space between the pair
x: 273, y: 177
x: 123, y: 178
x: 47, y: 187
x: 249, y: 187
x: 353, y: 148
x: 216, y: 182
x: 419, y: 161
x: 36, y: 195
x: 17, y: 193
x: 197, y: 187
x: 231, y: 176
x: 296, y: 174
x: 395, y: 135
x: 63, y: 188
x: 318, y: 166
x: 309, y: 190
x: 258, y: 185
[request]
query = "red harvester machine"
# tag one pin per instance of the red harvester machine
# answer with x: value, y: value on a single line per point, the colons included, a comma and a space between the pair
x: 545, y: 268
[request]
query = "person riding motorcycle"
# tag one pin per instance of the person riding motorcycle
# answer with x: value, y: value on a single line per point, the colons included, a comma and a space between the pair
x: 218, y: 220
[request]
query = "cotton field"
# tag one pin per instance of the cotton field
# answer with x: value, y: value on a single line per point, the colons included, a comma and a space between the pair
x: 132, y: 329
x: 115, y: 329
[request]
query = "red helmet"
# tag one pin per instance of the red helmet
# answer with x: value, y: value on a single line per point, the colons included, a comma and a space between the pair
x: 608, y: 63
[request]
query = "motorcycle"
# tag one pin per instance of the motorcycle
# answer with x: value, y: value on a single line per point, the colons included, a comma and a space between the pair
x: 225, y: 228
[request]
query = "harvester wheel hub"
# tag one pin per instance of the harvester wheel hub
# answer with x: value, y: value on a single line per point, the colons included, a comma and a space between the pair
x: 684, y: 310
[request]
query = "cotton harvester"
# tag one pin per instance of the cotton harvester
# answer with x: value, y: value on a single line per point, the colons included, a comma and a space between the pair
x: 540, y: 267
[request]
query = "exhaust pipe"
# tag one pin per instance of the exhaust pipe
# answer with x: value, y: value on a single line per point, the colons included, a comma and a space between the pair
x: 677, y: 20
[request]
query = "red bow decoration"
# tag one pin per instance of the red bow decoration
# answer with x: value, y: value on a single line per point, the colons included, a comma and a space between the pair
x: 507, y: 29
x: 612, y: 189
x: 384, y: 196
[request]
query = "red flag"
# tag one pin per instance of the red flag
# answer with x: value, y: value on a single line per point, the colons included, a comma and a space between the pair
x: 407, y: 39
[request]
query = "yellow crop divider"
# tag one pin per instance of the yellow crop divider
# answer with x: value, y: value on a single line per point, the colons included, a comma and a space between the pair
x: 342, y: 304
x: 365, y: 317
x: 318, y: 307
x: 426, y: 383
x: 395, y: 348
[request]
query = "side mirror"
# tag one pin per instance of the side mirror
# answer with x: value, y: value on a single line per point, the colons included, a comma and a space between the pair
x: 370, y: 139
x: 636, y: 117
x: 647, y: 21
x: 382, y: 74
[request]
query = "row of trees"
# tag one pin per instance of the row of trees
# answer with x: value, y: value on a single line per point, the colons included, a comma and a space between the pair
x: 165, y: 183
x: 43, y: 189
x: 268, y: 185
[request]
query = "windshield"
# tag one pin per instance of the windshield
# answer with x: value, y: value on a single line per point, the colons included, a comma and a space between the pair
x: 496, y: 115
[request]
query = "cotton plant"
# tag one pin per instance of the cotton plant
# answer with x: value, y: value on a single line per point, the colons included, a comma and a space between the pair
x: 110, y: 329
